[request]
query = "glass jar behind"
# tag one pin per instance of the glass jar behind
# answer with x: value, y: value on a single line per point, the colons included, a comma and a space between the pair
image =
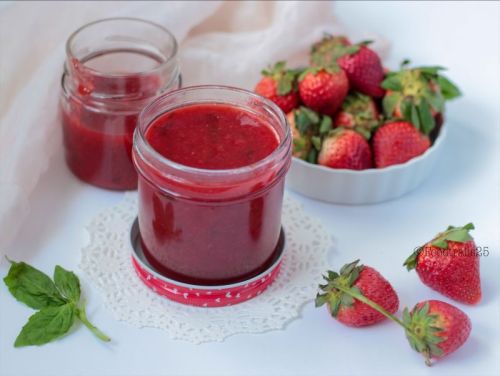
x: 113, y: 68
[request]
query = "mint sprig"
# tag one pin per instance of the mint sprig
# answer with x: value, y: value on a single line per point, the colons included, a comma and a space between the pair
x: 57, y: 301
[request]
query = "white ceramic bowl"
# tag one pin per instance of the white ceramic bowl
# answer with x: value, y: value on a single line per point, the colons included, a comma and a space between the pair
x: 351, y: 187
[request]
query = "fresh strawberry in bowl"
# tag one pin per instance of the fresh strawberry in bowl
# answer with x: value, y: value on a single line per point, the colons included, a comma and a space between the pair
x: 358, y: 112
x: 398, y: 142
x: 279, y: 85
x: 418, y: 95
x: 345, y: 149
x: 323, y: 89
x: 362, y: 133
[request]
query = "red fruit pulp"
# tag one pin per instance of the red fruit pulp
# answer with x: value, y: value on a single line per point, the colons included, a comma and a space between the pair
x: 98, y: 139
x: 215, y: 239
x: 213, y: 137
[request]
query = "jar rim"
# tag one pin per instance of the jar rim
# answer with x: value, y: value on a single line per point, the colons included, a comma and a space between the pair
x: 97, y: 73
x: 285, y: 142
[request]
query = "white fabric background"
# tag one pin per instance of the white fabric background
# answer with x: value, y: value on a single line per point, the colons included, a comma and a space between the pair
x: 220, y: 42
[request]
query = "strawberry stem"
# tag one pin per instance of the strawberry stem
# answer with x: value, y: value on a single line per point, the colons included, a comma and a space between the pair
x: 375, y: 306
x: 370, y: 303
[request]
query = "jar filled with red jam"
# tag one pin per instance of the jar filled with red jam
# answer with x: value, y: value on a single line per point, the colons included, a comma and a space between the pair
x: 113, y: 68
x: 212, y: 162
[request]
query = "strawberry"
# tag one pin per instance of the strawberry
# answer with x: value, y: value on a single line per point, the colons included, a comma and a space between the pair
x: 363, y: 68
x: 418, y: 95
x: 435, y: 328
x: 358, y: 112
x: 362, y: 280
x: 449, y: 264
x: 345, y: 148
x: 323, y: 89
x: 323, y: 53
x: 279, y: 85
x: 307, y: 129
x: 397, y: 142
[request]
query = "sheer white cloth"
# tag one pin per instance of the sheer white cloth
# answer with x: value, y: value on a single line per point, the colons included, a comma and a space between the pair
x: 220, y: 42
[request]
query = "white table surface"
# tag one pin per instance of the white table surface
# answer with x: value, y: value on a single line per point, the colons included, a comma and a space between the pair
x: 465, y: 187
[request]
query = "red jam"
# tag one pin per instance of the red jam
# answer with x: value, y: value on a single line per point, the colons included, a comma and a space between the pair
x: 114, y: 67
x: 213, y: 137
x: 209, y: 230
x: 99, y: 147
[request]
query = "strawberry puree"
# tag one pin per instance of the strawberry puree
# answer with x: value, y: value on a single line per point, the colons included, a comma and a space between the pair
x: 200, y: 232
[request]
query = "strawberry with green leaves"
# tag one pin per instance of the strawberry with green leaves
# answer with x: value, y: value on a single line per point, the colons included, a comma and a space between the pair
x: 308, y: 128
x: 359, y: 112
x: 361, y: 64
x: 449, y: 264
x: 345, y: 148
x: 323, y: 89
x: 433, y: 328
x: 418, y: 95
x: 397, y: 142
x: 324, y: 52
x: 363, y: 68
x: 279, y: 85
x: 363, y: 280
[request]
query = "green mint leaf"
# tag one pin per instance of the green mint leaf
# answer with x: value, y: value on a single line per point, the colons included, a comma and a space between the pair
x: 82, y: 315
x: 32, y: 287
x: 47, y: 325
x: 448, y: 88
x: 67, y: 283
x: 426, y: 119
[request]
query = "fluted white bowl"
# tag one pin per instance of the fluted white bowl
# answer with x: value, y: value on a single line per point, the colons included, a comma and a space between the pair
x: 351, y: 187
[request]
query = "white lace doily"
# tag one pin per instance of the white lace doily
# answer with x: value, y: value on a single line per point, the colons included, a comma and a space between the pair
x: 107, y: 263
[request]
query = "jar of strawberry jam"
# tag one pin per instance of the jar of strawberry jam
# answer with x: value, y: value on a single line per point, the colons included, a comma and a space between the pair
x: 113, y: 68
x: 212, y: 162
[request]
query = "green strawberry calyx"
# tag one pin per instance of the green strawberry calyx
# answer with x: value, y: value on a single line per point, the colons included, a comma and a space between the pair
x: 331, y: 68
x: 359, y: 107
x: 312, y: 126
x: 421, y: 330
x: 333, y: 291
x: 325, y: 51
x: 418, y: 93
x: 286, y: 79
x: 420, y: 327
x: 455, y: 234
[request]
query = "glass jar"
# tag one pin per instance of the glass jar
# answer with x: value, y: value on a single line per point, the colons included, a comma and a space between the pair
x: 113, y: 68
x: 211, y: 226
